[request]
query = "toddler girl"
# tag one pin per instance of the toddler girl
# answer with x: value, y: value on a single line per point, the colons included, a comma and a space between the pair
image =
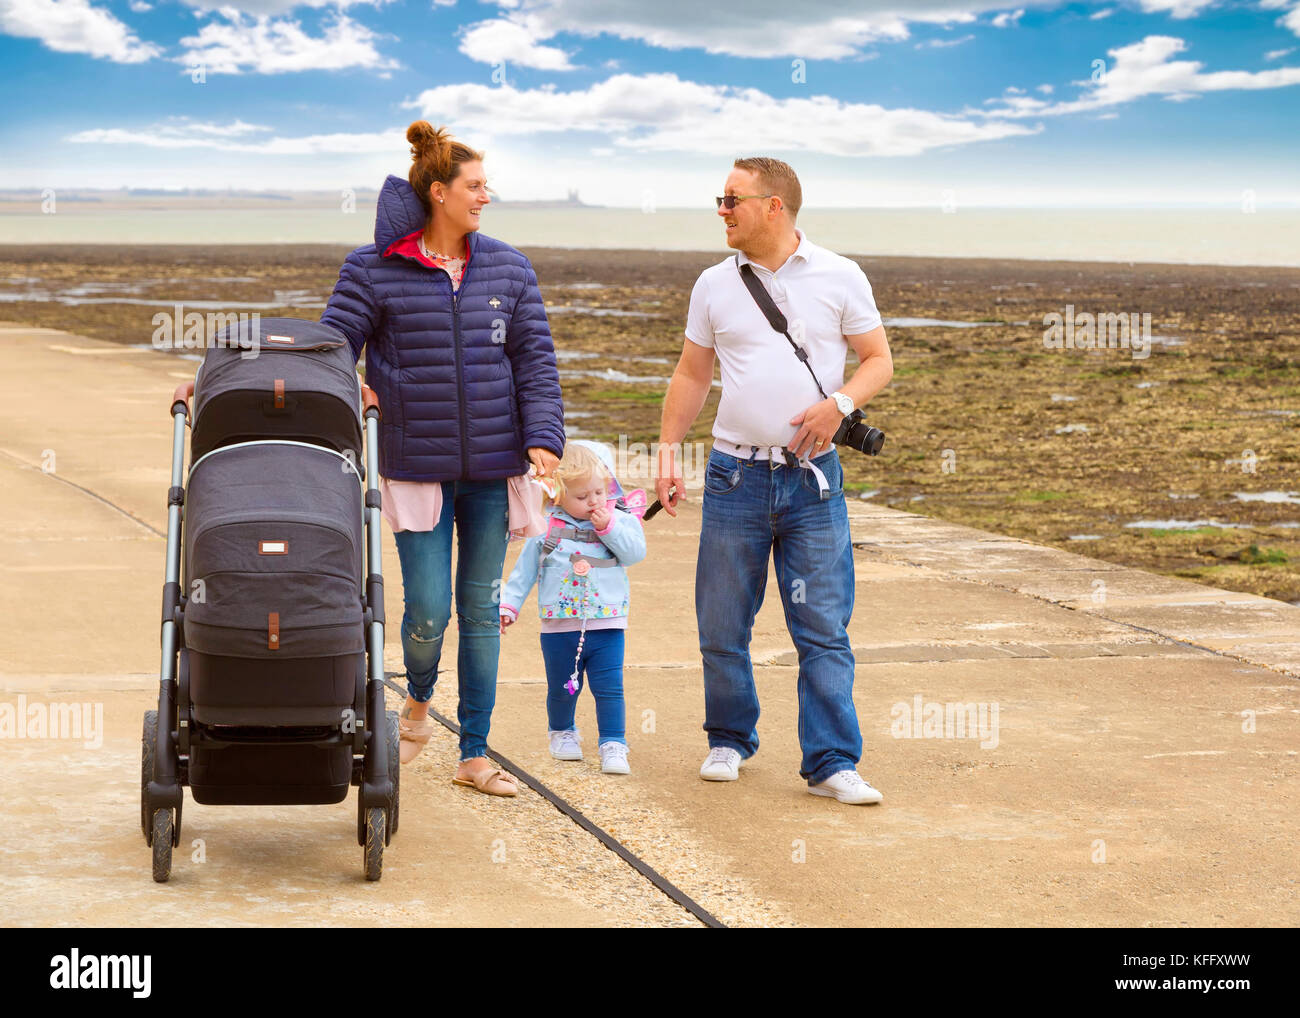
x: 592, y: 532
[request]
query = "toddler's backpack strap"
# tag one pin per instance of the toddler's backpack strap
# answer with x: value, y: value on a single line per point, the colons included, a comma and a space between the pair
x: 557, y: 531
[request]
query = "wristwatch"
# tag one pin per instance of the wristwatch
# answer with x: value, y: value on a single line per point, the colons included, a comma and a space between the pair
x: 845, y: 403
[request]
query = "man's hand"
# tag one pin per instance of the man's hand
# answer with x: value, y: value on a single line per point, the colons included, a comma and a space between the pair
x: 600, y: 517
x: 544, y: 460
x: 818, y: 425
x: 669, y: 485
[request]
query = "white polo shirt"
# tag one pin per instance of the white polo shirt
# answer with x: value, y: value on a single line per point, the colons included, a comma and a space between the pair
x: 823, y: 296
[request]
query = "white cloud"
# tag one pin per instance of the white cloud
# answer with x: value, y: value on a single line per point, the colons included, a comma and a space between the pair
x: 1008, y: 18
x: 943, y: 43
x: 271, y: 7
x: 1278, y: 54
x: 1098, y: 15
x: 1046, y: 89
x: 661, y: 112
x: 75, y: 26
x: 1143, y: 69
x: 816, y: 29
x: 226, y: 137
x: 1176, y: 8
x: 513, y: 42
x: 276, y: 46
x: 139, y: 6
x: 1291, y: 20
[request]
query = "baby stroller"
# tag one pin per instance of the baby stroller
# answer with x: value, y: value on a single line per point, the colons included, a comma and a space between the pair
x: 271, y: 686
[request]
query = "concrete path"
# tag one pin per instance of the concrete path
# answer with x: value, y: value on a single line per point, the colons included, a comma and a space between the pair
x: 1138, y: 765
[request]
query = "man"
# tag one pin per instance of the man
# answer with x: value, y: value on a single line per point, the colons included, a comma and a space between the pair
x: 759, y: 501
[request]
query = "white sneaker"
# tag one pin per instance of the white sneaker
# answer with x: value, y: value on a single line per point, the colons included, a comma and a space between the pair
x: 722, y: 764
x: 565, y: 745
x: 847, y: 786
x: 613, y: 758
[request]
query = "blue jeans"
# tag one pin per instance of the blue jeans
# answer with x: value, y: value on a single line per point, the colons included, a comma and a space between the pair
x: 479, y: 510
x: 751, y: 511
x: 602, y: 661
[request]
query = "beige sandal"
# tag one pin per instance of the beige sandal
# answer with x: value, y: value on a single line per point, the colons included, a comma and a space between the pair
x: 414, y: 735
x: 481, y: 780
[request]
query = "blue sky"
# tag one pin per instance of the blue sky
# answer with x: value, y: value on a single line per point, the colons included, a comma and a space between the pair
x: 875, y: 102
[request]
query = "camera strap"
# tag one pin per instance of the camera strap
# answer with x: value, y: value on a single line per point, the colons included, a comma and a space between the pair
x: 774, y: 317
x: 778, y: 322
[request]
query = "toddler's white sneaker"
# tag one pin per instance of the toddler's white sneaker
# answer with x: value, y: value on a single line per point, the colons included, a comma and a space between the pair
x: 722, y: 764
x: 565, y: 745
x: 847, y: 786
x: 613, y: 758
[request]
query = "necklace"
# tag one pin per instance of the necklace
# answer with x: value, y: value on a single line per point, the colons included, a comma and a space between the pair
x: 433, y: 256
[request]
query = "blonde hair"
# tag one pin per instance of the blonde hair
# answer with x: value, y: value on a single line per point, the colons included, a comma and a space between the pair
x: 435, y: 156
x: 577, y: 463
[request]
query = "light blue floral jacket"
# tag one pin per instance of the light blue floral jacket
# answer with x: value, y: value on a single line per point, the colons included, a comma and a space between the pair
x: 572, y: 572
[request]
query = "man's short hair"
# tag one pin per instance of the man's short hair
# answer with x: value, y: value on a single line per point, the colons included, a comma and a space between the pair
x: 775, y: 177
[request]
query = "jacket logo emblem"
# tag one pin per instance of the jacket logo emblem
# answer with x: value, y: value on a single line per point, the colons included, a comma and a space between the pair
x: 495, y: 302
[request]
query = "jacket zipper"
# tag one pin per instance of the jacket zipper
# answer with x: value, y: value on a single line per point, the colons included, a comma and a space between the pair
x: 460, y: 367
x: 460, y: 375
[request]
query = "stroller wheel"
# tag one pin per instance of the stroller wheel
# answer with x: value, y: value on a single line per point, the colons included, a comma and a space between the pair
x: 394, y: 770
x: 374, y: 843
x: 163, y: 833
x: 147, y: 743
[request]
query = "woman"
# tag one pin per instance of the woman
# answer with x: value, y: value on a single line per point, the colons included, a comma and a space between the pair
x: 459, y: 352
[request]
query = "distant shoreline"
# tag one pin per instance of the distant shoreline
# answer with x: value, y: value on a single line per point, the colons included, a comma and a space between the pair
x: 223, y: 251
x: 1134, y: 237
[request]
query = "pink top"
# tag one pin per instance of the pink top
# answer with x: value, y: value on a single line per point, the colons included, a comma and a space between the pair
x: 417, y: 505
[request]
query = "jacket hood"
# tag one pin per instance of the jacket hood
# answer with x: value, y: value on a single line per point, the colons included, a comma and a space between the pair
x: 397, y: 213
x: 606, y: 455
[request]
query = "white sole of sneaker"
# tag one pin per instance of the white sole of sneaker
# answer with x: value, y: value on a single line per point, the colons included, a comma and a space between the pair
x: 616, y: 769
x: 570, y: 759
x: 719, y: 777
x: 826, y: 792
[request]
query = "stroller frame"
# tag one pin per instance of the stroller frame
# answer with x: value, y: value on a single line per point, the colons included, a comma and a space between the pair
x: 170, y: 732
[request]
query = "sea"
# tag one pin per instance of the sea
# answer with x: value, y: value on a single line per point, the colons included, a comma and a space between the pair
x: 1261, y: 237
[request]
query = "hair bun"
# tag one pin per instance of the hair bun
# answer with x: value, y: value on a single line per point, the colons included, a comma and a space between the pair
x: 425, y: 139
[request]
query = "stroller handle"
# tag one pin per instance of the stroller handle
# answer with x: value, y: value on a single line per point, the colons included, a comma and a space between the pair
x: 368, y: 400
x: 181, y: 397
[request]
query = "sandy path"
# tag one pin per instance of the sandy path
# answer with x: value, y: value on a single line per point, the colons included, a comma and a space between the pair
x: 1114, y: 742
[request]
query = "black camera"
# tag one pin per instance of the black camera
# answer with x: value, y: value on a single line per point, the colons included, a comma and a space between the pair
x: 857, y: 434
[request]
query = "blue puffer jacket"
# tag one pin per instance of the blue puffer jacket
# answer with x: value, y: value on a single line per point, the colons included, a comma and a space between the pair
x: 467, y: 381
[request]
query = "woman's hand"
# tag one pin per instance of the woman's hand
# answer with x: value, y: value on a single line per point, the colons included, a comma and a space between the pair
x: 506, y: 620
x: 544, y: 460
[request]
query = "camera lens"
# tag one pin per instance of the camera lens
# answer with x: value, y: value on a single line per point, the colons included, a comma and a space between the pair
x: 857, y: 434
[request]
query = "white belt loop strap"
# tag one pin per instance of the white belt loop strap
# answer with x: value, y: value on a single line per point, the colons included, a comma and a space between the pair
x: 776, y: 455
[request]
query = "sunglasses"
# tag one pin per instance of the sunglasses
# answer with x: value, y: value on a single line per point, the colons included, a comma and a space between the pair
x: 728, y: 201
